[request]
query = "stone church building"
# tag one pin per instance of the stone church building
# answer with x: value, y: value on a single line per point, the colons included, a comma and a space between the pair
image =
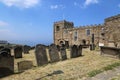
x: 106, y: 34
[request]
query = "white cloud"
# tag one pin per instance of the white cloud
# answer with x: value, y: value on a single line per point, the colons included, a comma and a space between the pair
x: 2, y: 23
x: 88, y: 2
x: 20, y: 3
x: 57, y: 6
x: 54, y: 6
x: 77, y: 4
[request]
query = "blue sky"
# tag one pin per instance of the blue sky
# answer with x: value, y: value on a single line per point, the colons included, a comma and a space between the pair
x: 31, y: 21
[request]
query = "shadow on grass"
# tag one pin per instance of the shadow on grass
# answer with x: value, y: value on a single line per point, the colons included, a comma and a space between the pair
x: 5, y: 72
x: 51, y: 74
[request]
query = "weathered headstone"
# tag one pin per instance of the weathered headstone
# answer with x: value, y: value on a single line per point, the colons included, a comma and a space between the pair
x: 79, y: 50
x: 1, y: 47
x: 26, y: 49
x: 41, y: 55
x: 110, y: 51
x: 6, y: 64
x: 18, y: 52
x: 53, y: 52
x: 74, y: 51
x: 63, y: 52
x: 58, y: 47
x: 24, y: 65
x: 7, y: 50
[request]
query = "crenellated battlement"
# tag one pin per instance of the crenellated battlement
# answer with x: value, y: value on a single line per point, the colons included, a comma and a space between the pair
x: 91, y: 26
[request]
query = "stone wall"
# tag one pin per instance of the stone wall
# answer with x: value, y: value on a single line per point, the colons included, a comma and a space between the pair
x: 104, y: 34
x: 112, y: 31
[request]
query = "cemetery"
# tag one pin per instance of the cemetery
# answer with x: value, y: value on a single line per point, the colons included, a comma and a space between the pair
x: 68, y: 58
x: 50, y: 63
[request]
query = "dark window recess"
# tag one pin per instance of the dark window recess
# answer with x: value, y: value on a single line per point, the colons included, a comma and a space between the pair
x: 57, y: 28
x: 88, y: 32
x: 75, y: 36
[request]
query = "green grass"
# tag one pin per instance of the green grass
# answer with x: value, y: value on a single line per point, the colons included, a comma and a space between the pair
x: 108, y: 67
x: 94, y: 72
x: 114, y: 79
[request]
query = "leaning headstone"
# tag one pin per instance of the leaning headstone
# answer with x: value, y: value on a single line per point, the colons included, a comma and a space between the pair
x: 63, y: 52
x: 41, y: 55
x: 79, y: 50
x: 18, y: 52
x: 53, y: 53
x: 24, y: 65
x: 74, y: 51
x: 6, y: 64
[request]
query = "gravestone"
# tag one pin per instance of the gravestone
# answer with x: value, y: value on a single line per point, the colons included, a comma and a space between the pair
x: 41, y: 55
x: 18, y: 52
x: 53, y: 53
x: 63, y: 52
x: 26, y: 49
x: 7, y: 50
x: 58, y: 47
x: 74, y: 51
x: 6, y: 64
x: 24, y: 65
x: 110, y: 51
x: 1, y: 47
x: 79, y: 51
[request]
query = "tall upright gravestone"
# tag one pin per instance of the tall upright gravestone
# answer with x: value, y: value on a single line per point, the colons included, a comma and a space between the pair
x: 79, y: 50
x: 53, y: 53
x: 18, y: 52
x: 6, y: 63
x: 41, y: 55
x: 74, y: 51
x: 63, y: 52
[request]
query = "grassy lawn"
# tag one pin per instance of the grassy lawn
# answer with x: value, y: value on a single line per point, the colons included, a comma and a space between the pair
x: 70, y: 69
